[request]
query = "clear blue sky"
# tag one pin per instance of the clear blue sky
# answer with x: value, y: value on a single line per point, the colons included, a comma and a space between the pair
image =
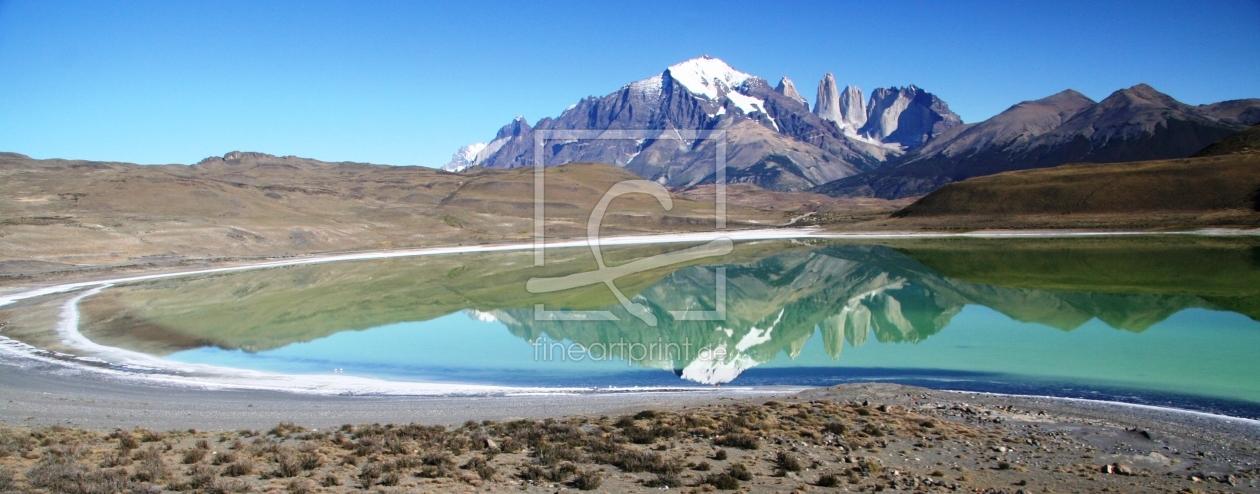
x: 407, y: 83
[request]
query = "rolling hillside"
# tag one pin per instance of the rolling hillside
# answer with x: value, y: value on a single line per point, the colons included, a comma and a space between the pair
x: 1220, y: 186
x: 70, y: 216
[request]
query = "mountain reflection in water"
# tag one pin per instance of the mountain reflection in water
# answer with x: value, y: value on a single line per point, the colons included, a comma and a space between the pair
x: 846, y: 293
x: 778, y: 296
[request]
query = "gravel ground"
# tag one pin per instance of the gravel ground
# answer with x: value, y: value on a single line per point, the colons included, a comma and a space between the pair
x: 859, y: 437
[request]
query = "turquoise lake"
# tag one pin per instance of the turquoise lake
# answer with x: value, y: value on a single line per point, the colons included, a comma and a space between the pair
x: 1164, y: 321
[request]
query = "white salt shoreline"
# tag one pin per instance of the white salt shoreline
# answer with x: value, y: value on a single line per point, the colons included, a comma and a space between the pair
x: 735, y: 235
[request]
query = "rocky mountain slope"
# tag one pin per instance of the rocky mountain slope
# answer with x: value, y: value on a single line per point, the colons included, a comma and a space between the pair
x: 1222, y: 182
x: 1243, y: 142
x: 1133, y: 124
x: 773, y: 139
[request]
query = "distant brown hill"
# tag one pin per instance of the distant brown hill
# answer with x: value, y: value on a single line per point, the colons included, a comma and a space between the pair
x: 1220, y: 186
x: 72, y: 215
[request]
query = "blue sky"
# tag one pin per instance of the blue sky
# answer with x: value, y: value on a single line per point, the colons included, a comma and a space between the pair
x: 407, y: 83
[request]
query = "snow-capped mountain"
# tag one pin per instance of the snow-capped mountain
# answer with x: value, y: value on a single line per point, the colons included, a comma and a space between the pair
x: 707, y: 77
x: 901, y: 142
x: 465, y: 157
x: 772, y: 137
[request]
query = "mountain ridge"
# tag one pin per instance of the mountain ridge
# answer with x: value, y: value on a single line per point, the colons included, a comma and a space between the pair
x: 1133, y: 124
x: 900, y: 142
x: 706, y: 94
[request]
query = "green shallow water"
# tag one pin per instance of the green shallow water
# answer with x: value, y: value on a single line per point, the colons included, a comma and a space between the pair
x: 1167, y: 320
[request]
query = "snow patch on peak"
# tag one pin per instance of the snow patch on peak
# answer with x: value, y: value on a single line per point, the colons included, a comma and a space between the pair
x: 477, y: 315
x: 465, y: 157
x: 714, y: 371
x: 707, y: 76
x: 650, y: 87
x: 757, y: 336
x: 748, y: 104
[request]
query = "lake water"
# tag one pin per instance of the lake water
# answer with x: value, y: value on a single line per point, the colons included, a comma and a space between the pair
x: 1168, y: 321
